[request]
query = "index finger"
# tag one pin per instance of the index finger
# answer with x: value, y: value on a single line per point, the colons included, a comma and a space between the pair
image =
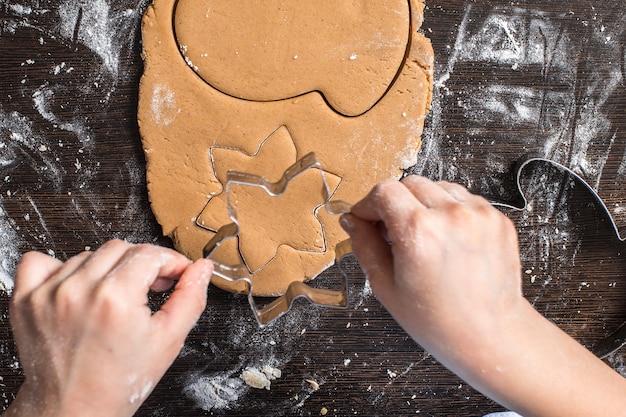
x: 33, y: 270
x: 181, y: 311
x: 142, y: 265
x: 390, y: 202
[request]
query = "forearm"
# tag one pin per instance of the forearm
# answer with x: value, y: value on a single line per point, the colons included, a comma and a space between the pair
x: 536, y: 369
x: 452, y: 280
x: 28, y: 403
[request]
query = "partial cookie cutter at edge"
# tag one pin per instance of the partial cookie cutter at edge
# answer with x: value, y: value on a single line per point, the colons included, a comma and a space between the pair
x: 616, y: 339
x: 297, y: 289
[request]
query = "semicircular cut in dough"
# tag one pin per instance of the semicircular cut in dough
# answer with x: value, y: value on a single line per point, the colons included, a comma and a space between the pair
x: 193, y: 132
x: 277, y: 49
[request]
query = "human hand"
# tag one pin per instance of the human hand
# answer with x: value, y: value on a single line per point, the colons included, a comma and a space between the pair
x: 452, y: 273
x: 88, y: 343
x: 446, y: 265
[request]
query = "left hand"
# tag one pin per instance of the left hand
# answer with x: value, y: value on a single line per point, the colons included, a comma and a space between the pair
x: 87, y: 340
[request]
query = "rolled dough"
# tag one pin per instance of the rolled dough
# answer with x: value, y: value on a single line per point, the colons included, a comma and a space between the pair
x: 254, y: 86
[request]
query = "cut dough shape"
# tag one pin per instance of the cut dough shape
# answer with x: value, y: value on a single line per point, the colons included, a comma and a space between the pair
x: 278, y: 49
x: 210, y: 121
x: 276, y: 153
x: 262, y: 232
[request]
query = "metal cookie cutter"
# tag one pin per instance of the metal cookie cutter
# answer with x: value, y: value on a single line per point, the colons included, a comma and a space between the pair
x: 616, y: 339
x: 241, y: 273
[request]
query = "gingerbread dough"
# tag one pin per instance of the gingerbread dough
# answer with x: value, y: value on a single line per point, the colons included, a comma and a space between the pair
x: 254, y: 86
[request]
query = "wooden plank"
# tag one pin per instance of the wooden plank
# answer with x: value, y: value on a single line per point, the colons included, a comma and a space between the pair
x: 72, y: 175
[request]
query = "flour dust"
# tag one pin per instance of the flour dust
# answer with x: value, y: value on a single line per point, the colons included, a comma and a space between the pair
x: 519, y: 79
x: 516, y: 82
x: 66, y: 66
x: 59, y: 140
x: 257, y: 356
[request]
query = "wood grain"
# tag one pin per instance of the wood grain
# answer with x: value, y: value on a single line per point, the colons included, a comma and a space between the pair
x: 364, y: 363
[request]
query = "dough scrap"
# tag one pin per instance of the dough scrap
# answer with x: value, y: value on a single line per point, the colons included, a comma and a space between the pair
x: 196, y: 122
x: 260, y: 378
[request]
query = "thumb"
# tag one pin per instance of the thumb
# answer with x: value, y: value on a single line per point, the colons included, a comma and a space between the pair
x: 183, y: 308
x: 371, y: 250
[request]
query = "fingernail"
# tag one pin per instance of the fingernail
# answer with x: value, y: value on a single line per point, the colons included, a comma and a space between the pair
x: 346, y: 222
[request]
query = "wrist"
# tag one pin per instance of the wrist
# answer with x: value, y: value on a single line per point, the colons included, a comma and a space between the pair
x: 36, y: 401
x: 29, y: 402
x: 484, y: 344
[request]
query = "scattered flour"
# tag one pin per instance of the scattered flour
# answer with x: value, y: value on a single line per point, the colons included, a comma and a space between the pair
x: 616, y: 360
x: 218, y: 392
x: 19, y: 9
x: 567, y: 114
x: 257, y: 357
x: 93, y: 24
x: 9, y: 252
x: 17, y: 134
x: 163, y: 105
x: 109, y: 29
x: 42, y: 99
x: 506, y: 39
x: 18, y: 139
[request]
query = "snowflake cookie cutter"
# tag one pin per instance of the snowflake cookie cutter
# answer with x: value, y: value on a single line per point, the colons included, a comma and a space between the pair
x: 296, y: 289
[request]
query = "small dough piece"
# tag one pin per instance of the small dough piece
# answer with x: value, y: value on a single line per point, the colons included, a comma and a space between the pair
x: 260, y: 379
x: 356, y: 95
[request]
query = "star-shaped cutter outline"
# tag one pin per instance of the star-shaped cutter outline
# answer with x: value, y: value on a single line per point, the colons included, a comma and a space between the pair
x: 271, y: 141
x: 240, y: 273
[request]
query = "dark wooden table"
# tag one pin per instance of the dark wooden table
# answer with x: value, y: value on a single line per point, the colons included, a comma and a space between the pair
x: 512, y: 79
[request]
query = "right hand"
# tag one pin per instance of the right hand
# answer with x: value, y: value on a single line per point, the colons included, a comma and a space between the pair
x: 451, y: 277
x: 452, y: 270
